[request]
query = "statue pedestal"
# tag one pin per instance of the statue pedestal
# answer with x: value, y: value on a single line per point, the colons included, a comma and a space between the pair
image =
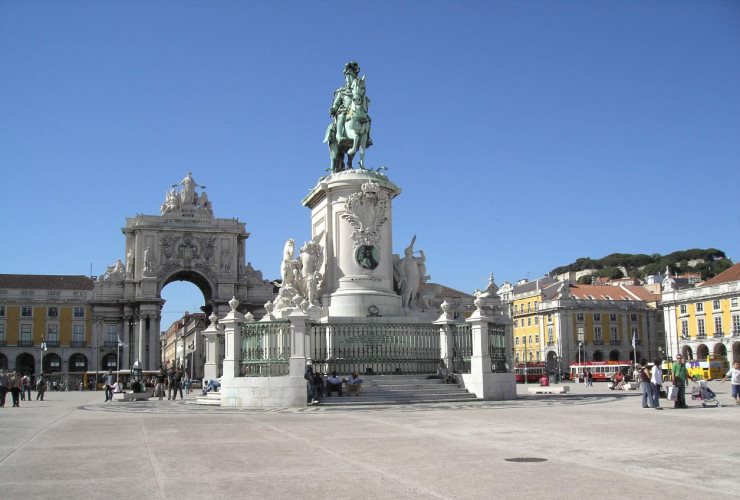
x: 353, y: 210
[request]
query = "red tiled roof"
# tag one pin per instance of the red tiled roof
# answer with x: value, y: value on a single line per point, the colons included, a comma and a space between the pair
x: 46, y: 281
x: 731, y: 274
x: 623, y: 292
x: 447, y: 292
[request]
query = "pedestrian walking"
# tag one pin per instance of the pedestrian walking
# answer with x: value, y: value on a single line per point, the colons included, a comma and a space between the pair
x: 647, y: 389
x: 108, y: 383
x: 170, y: 382
x: 14, y: 381
x: 310, y: 385
x: 40, y: 387
x: 734, y: 375
x: 177, y: 384
x: 186, y: 383
x: 3, y: 387
x: 26, y: 387
x: 159, y: 387
x: 680, y: 380
x: 656, y: 383
x: 589, y: 378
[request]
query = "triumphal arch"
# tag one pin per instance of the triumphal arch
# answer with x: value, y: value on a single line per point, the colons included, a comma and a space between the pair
x: 185, y: 242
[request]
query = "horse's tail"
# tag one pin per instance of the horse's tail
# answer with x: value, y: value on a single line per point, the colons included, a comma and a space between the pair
x: 328, y: 135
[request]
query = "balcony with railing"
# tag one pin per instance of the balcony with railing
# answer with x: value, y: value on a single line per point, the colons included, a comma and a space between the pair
x: 52, y: 343
x: 598, y: 341
x: 110, y: 343
x: 78, y: 343
x: 615, y: 342
x: 25, y: 343
x: 3, y: 343
x: 701, y: 336
x: 718, y: 335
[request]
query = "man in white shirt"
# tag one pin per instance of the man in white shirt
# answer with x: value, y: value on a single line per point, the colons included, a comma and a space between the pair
x: 734, y: 375
x: 333, y: 384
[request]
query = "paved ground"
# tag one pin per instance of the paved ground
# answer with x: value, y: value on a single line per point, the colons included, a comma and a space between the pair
x: 594, y: 443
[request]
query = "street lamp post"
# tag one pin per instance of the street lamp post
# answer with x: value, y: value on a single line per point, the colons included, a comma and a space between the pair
x: 580, y: 348
x: 41, y: 358
x: 524, y: 338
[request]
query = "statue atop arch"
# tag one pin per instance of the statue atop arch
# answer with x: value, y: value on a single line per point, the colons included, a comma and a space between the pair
x: 187, y: 200
x: 349, y: 130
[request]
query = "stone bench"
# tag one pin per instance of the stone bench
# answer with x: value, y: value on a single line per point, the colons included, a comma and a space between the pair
x: 550, y: 389
x: 132, y: 396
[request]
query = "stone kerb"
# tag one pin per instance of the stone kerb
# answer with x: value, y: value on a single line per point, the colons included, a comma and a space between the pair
x: 481, y: 381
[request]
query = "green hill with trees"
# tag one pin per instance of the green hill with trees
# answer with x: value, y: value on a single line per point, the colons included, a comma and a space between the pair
x: 709, y: 262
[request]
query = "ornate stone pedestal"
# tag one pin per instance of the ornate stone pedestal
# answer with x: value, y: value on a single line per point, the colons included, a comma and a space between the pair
x: 353, y: 210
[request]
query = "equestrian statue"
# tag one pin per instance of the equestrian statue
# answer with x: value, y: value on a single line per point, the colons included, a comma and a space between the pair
x: 349, y: 130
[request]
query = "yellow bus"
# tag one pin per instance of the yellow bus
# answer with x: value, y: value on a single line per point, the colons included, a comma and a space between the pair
x: 714, y: 367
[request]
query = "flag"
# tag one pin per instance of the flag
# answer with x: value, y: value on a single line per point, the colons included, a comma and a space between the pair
x: 634, y: 340
x: 120, y: 342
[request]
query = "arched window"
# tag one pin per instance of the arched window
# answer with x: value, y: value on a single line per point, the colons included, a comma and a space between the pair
x: 77, y: 363
x: 52, y: 363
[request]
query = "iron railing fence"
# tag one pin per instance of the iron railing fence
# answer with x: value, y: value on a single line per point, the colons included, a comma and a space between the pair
x: 381, y: 349
x: 497, y: 347
x: 265, y: 349
x: 462, y: 347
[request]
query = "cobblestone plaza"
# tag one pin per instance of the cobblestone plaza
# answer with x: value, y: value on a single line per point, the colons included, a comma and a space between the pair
x: 590, y: 443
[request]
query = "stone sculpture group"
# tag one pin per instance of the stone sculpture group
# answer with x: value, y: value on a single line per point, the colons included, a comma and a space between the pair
x: 187, y: 199
x: 301, y: 277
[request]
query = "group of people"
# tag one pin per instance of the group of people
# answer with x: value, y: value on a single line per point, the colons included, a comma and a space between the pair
x: 171, y: 381
x: 19, y: 387
x: 317, y: 387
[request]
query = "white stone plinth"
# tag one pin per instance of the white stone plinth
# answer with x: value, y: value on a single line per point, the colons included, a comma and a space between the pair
x: 349, y: 228
x: 263, y: 392
x: 491, y: 386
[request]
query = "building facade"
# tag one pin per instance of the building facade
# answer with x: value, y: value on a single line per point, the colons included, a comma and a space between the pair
x: 46, y: 325
x: 704, y: 320
x: 560, y: 323
x: 183, y: 346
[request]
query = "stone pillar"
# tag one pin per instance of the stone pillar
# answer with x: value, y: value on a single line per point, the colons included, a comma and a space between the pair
x: 155, y: 345
x: 140, y: 341
x: 210, y: 339
x: 480, y: 361
x: 446, y: 339
x: 298, y: 343
x: 232, y: 340
x: 481, y: 381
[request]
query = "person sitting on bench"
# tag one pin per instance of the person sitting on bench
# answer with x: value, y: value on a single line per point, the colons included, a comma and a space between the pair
x: 334, y: 384
x: 354, y: 384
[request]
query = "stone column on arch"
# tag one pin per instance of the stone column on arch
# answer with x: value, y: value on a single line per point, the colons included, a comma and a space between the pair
x: 155, y: 344
x: 140, y: 340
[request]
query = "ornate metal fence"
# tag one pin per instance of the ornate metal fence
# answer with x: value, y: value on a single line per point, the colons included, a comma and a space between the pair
x: 265, y: 349
x: 462, y: 347
x: 375, y: 348
x: 497, y: 347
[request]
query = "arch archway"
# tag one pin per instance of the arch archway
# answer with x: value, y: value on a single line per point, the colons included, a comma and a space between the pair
x: 735, y: 351
x: 614, y: 355
x: 3, y: 361
x: 52, y: 363
x: 719, y: 350
x: 77, y: 363
x: 702, y: 352
x: 109, y: 362
x: 25, y: 363
x: 184, y: 242
x: 687, y: 352
x: 598, y: 356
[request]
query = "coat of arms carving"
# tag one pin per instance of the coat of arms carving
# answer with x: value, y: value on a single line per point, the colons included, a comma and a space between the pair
x: 367, y: 210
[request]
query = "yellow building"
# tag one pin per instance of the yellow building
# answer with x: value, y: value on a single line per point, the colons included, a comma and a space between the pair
x: 704, y: 320
x: 560, y: 323
x: 46, y: 324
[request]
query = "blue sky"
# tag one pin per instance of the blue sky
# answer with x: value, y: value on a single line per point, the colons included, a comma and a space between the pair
x: 524, y: 134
